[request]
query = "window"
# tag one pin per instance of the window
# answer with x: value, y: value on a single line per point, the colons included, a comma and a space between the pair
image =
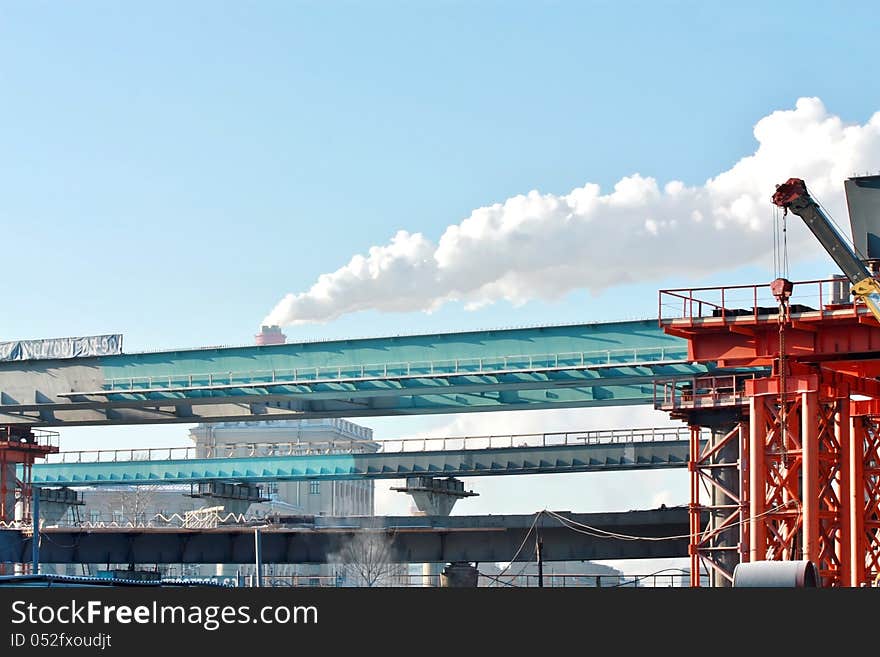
x: 94, y: 515
x: 117, y: 516
x: 314, y: 487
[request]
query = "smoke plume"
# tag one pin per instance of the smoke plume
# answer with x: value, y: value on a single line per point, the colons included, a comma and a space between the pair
x: 538, y: 245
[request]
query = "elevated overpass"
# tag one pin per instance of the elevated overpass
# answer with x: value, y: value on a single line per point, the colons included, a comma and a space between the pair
x: 414, y: 539
x: 587, y: 451
x: 577, y: 365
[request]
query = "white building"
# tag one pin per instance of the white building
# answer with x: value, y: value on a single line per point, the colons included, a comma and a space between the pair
x: 335, y: 498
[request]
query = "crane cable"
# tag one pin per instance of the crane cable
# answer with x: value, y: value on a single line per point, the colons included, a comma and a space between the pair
x: 780, y: 243
x: 780, y: 263
x: 783, y: 392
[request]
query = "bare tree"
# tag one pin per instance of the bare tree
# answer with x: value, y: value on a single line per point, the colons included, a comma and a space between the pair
x: 137, y: 504
x: 367, y: 558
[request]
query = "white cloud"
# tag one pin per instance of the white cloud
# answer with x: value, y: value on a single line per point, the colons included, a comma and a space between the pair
x: 544, y: 245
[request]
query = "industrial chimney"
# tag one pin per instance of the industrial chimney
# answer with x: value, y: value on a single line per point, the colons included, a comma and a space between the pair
x: 270, y: 335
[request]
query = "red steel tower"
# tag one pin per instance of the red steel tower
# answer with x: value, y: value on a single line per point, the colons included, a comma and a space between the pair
x: 20, y: 446
x: 795, y: 472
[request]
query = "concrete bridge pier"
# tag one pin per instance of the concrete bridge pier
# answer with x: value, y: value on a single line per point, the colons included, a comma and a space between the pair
x: 56, y: 502
x: 235, y: 498
x: 434, y: 496
x: 460, y: 574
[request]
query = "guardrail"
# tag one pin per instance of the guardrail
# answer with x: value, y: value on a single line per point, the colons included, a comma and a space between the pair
x: 40, y: 437
x: 551, y: 580
x: 752, y: 301
x: 490, y: 365
x: 402, y: 445
x: 709, y: 390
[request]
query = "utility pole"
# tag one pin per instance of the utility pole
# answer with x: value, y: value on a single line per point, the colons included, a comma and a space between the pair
x: 540, y: 555
x: 258, y: 556
x: 35, y: 539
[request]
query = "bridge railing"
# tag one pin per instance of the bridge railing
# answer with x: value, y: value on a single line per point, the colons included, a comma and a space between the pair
x: 652, y: 580
x: 507, y: 441
x: 40, y: 437
x: 750, y: 301
x: 402, y: 445
x: 701, y: 391
x: 407, y: 580
x: 423, y: 368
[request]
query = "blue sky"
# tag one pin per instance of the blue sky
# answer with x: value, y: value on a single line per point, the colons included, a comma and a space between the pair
x: 170, y: 170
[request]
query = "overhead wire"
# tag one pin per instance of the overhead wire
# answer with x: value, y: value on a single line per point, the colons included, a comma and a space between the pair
x: 785, y: 271
x: 523, y: 544
x: 637, y: 578
x: 581, y: 528
x: 588, y: 530
x: 497, y: 579
x: 513, y: 577
x: 774, y: 213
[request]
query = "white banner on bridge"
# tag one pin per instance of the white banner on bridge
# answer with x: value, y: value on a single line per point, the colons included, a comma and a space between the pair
x: 58, y: 348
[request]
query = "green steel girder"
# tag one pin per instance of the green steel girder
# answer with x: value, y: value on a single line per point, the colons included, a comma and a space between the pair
x: 463, y: 463
x: 552, y: 367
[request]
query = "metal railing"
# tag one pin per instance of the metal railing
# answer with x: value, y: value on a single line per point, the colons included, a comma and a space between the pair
x: 507, y: 441
x: 40, y: 437
x: 653, y: 580
x: 750, y: 301
x: 710, y: 390
x: 399, y: 369
x: 394, y: 446
x: 554, y: 580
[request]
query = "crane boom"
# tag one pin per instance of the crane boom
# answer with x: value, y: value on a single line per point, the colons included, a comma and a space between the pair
x: 793, y: 195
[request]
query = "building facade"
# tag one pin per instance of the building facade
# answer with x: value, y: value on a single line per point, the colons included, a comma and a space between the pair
x: 334, y: 435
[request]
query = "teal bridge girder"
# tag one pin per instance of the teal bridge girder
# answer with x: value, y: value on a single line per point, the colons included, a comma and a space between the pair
x: 633, y: 450
x: 579, y: 365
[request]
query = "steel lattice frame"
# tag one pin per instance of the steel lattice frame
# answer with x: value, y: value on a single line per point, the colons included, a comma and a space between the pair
x: 10, y: 482
x: 799, y: 486
x: 19, y: 448
x: 776, y: 459
x: 809, y: 487
x: 813, y: 451
x: 866, y: 499
x: 726, y: 508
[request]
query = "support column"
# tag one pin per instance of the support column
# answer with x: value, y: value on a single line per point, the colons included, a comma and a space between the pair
x: 866, y: 504
x: 35, y: 540
x: 7, y: 489
x: 459, y: 574
x: 842, y: 433
x: 235, y: 499
x: 726, y: 480
x: 857, y: 500
x: 757, y: 492
x: 258, y: 555
x: 695, y: 507
x: 434, y: 497
x: 810, y: 473
x: 55, y: 503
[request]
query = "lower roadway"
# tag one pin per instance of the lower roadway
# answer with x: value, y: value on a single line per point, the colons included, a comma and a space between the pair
x: 414, y: 539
